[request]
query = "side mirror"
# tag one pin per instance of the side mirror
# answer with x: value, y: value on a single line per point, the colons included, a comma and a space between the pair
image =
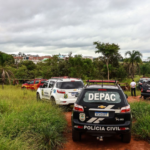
x: 126, y: 95
x: 77, y: 94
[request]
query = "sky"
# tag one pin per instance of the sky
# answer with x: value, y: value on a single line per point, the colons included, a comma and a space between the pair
x: 48, y: 27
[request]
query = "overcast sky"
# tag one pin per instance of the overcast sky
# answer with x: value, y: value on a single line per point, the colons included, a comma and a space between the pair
x: 60, y: 26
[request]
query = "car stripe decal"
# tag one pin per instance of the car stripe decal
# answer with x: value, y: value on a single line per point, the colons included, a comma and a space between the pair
x: 91, y: 120
x: 98, y: 120
x: 109, y: 107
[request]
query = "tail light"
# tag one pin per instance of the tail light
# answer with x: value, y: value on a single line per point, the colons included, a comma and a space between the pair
x: 142, y: 90
x: 124, y: 128
x: 78, y: 108
x: 125, y: 109
x: 79, y: 127
x: 60, y: 91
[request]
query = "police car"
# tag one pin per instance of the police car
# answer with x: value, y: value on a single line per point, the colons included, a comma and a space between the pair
x: 101, y: 110
x: 60, y: 90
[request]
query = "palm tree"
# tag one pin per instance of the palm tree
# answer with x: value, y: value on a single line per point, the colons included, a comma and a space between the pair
x: 4, y: 70
x: 134, y: 58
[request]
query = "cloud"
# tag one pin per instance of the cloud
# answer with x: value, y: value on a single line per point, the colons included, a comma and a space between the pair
x: 50, y: 27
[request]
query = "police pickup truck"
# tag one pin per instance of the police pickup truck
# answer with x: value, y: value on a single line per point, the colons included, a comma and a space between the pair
x: 102, y: 111
x: 60, y: 91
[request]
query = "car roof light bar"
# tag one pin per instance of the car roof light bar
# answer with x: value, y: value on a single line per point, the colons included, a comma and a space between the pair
x: 101, y: 81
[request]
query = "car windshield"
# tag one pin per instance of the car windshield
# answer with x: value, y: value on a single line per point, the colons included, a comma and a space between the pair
x: 93, y: 96
x: 70, y: 85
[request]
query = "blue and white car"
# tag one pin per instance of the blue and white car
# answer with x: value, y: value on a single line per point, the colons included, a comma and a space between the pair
x: 61, y: 91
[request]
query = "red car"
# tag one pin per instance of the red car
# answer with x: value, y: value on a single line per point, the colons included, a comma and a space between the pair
x: 25, y: 85
x: 33, y: 84
x: 38, y: 83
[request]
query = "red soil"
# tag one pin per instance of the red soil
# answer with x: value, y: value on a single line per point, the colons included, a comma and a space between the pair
x: 113, y: 143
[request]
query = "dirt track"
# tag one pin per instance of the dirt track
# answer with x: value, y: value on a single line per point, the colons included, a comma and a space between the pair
x: 90, y: 143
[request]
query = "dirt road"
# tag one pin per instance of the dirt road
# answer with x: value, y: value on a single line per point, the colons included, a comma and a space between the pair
x: 114, y: 143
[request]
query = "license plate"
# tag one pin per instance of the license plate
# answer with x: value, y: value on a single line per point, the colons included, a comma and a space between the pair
x: 102, y: 114
x: 148, y: 90
x: 73, y: 93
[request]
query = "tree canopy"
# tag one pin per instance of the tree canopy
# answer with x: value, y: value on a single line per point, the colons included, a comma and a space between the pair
x: 108, y: 51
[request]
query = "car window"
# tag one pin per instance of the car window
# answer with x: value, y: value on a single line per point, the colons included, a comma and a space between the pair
x: 147, y: 83
x: 43, y: 81
x: 31, y: 82
x: 45, y: 85
x: 70, y: 85
x: 51, y: 85
x: 95, y: 96
x: 37, y: 81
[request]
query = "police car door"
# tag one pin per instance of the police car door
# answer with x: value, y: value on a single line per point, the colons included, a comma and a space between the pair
x: 51, y: 85
x: 44, y: 90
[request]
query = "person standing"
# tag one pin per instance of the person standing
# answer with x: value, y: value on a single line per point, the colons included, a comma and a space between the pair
x: 133, y: 88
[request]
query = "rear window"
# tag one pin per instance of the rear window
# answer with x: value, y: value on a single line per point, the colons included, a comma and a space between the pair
x: 70, y: 85
x: 147, y: 83
x: 102, y: 96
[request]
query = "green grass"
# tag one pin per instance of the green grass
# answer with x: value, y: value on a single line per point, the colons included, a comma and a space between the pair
x: 141, y: 113
x: 28, y: 124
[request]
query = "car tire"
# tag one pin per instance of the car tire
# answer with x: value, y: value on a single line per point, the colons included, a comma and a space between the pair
x: 126, y: 138
x: 76, y: 136
x: 145, y: 97
x: 38, y: 97
x: 52, y: 99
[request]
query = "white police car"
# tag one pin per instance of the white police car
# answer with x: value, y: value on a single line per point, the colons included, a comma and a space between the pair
x: 102, y: 111
x: 60, y: 90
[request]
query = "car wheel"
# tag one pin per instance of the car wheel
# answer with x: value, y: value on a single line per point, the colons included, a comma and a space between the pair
x: 76, y: 136
x: 38, y: 97
x: 145, y: 97
x: 53, y: 101
x: 126, y: 138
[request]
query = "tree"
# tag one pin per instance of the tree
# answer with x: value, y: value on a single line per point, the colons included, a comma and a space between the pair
x: 145, y: 69
x: 107, y: 50
x: 4, y: 70
x: 134, y: 58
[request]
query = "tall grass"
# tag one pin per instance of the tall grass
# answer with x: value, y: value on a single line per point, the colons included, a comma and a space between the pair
x: 141, y: 113
x: 28, y: 124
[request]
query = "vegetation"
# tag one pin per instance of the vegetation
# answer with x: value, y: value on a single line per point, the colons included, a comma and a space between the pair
x: 4, y: 69
x: 134, y: 58
x: 108, y: 51
x: 110, y: 65
x: 141, y: 113
x: 28, y: 124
